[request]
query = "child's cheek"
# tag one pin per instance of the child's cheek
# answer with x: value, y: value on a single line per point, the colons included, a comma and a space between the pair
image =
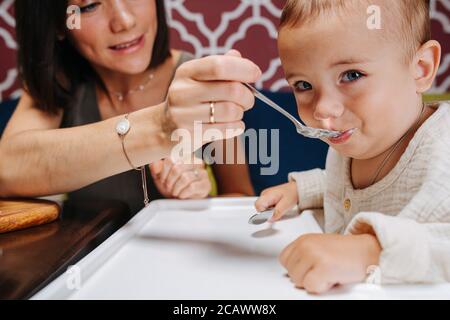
x: 305, y: 112
x: 306, y: 115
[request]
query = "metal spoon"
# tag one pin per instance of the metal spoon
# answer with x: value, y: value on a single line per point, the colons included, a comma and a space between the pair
x: 301, y: 129
x: 261, y: 218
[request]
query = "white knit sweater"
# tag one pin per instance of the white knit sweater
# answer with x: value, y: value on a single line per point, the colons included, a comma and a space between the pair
x: 409, y: 210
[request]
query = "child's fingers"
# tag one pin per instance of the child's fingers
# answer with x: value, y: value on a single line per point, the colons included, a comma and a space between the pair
x: 297, y: 270
x: 286, y: 254
x: 268, y: 199
x: 281, y: 208
x: 316, y: 282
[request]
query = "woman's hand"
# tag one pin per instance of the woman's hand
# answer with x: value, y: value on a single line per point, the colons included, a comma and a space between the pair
x: 215, y: 80
x: 181, y: 181
x: 318, y: 262
x: 283, y: 197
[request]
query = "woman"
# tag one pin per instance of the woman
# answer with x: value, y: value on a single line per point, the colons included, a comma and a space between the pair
x: 79, y: 85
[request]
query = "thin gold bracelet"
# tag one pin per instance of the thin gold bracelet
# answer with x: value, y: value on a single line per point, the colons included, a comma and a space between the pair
x: 123, y: 127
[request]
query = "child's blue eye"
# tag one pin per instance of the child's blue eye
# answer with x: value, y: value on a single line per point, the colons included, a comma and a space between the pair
x: 302, y: 86
x: 89, y: 8
x: 351, y: 76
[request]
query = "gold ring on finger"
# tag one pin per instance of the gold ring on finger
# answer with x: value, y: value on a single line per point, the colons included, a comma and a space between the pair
x: 212, y: 112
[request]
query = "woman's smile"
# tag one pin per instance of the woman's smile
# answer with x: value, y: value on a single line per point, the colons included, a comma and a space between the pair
x: 128, y: 47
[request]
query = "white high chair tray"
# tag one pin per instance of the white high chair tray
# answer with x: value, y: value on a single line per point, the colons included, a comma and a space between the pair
x: 204, y: 250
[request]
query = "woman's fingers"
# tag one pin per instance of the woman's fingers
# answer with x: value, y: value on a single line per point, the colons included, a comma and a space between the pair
x: 189, y: 177
x: 195, y: 93
x: 216, y: 79
x: 168, y: 164
x: 225, y: 68
x: 222, y: 131
x: 158, y: 184
x: 229, y: 109
x: 185, y: 179
x: 233, y: 53
x: 177, y: 171
x: 224, y: 112
x: 156, y: 168
x: 179, y: 180
x: 190, y: 141
x: 197, y: 190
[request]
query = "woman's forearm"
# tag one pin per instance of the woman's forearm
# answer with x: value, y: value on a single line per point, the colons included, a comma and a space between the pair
x: 46, y: 162
x: 38, y: 159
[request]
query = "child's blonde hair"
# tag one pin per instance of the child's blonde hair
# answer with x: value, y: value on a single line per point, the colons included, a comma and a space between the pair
x: 408, y: 20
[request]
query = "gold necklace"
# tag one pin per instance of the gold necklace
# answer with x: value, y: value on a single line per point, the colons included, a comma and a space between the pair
x: 386, y: 159
x: 121, y: 96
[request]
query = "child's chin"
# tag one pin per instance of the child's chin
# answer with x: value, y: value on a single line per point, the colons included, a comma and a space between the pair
x: 347, y: 151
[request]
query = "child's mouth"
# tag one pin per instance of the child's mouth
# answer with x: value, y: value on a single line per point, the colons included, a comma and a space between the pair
x: 343, y: 137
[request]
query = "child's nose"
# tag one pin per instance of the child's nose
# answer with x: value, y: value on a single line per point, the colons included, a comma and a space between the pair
x: 328, y: 108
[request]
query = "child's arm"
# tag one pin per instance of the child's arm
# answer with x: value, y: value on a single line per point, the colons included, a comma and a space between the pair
x: 406, y: 249
x: 415, y: 244
x: 305, y: 189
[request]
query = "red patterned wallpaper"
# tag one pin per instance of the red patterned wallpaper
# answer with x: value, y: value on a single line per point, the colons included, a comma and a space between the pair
x: 8, y: 73
x: 212, y: 27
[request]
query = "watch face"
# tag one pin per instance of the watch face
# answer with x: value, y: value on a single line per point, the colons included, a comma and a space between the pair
x: 122, y: 127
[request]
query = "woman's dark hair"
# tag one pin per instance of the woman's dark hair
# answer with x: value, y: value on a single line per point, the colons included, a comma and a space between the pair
x: 52, y: 70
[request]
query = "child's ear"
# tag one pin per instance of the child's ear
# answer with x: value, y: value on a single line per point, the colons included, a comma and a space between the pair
x: 426, y: 65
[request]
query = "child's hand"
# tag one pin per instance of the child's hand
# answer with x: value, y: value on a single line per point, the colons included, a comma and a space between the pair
x: 284, y: 197
x: 318, y: 262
